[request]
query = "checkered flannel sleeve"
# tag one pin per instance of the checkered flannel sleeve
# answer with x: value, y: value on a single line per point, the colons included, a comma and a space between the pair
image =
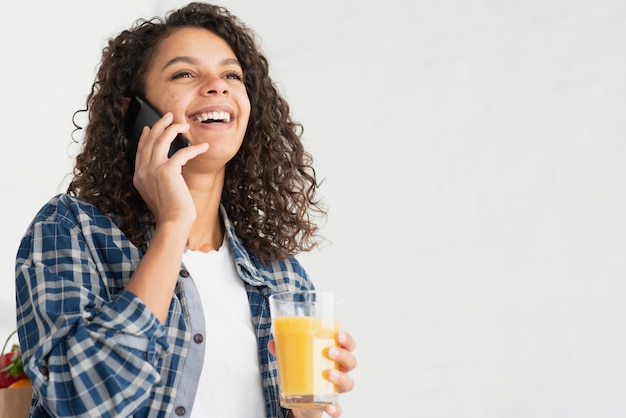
x: 89, y: 348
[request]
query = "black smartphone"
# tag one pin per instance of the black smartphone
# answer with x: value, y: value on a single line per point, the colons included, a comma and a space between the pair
x: 140, y: 113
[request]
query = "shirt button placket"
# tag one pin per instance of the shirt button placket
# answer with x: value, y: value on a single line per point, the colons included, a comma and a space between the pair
x: 180, y: 410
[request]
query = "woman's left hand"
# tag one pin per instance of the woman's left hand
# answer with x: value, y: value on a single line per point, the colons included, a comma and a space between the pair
x: 346, y: 362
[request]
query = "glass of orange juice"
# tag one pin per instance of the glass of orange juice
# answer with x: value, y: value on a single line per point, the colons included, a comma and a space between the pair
x: 304, y: 325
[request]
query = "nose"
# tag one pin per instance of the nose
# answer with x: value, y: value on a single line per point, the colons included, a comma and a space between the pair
x: 216, y: 85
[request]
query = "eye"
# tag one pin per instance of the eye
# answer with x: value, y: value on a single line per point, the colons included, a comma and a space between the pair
x: 182, y: 74
x: 233, y: 75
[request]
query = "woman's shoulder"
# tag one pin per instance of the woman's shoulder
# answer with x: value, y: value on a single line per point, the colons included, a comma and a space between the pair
x: 70, y: 210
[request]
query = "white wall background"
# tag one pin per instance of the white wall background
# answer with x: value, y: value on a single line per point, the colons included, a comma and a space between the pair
x: 474, y: 159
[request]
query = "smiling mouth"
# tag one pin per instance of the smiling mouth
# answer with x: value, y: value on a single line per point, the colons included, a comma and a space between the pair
x: 213, y: 117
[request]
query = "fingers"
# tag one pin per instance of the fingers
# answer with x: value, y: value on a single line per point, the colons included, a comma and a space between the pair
x: 333, y: 410
x: 342, y: 380
x: 342, y: 355
x: 145, y: 147
x: 346, y: 341
x: 345, y: 360
x: 154, y: 143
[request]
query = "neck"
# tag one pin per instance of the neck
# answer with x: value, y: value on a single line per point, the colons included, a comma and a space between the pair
x: 205, y: 237
x: 207, y: 231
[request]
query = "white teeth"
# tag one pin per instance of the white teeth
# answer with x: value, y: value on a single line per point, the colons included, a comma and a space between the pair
x: 218, y: 116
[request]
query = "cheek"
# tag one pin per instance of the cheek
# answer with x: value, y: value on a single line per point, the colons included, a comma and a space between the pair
x: 243, y: 100
x: 245, y: 105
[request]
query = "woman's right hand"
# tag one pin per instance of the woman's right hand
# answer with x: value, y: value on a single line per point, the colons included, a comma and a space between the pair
x: 158, y: 178
x: 160, y: 182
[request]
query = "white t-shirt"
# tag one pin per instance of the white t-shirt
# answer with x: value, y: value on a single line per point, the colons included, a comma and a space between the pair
x: 230, y: 383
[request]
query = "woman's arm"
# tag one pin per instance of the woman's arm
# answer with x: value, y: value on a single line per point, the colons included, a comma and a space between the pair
x: 90, y: 347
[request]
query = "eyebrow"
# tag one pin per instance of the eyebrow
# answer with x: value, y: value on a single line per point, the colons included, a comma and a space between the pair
x: 193, y: 61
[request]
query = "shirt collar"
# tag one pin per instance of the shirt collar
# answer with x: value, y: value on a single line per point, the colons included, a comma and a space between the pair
x: 245, y: 267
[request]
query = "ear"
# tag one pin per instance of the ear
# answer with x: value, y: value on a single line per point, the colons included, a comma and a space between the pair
x: 125, y: 103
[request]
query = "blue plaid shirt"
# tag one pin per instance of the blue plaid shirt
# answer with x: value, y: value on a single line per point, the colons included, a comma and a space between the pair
x: 92, y: 349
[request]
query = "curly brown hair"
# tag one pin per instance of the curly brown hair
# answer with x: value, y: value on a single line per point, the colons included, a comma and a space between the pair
x: 270, y: 187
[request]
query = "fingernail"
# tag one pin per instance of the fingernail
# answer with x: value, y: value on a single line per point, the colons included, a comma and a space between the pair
x: 331, y: 409
x: 333, y: 353
x: 342, y: 337
x: 333, y: 375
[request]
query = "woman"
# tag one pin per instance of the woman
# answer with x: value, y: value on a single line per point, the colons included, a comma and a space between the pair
x: 144, y: 293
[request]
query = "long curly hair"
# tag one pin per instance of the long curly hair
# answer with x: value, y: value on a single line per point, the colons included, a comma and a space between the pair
x: 270, y: 186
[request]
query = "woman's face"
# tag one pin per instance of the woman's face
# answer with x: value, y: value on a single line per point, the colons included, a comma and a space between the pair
x: 195, y: 75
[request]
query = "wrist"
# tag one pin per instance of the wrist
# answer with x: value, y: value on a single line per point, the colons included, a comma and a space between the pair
x: 172, y: 233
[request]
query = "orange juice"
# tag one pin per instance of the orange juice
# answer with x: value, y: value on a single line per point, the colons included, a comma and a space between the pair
x: 301, y: 343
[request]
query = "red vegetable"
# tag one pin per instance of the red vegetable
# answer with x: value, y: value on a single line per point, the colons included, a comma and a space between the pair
x: 11, y: 364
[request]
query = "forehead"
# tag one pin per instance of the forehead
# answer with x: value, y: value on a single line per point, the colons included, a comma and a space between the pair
x: 193, y: 42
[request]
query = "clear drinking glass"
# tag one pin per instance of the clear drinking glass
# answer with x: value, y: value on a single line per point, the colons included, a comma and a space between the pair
x: 304, y: 325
